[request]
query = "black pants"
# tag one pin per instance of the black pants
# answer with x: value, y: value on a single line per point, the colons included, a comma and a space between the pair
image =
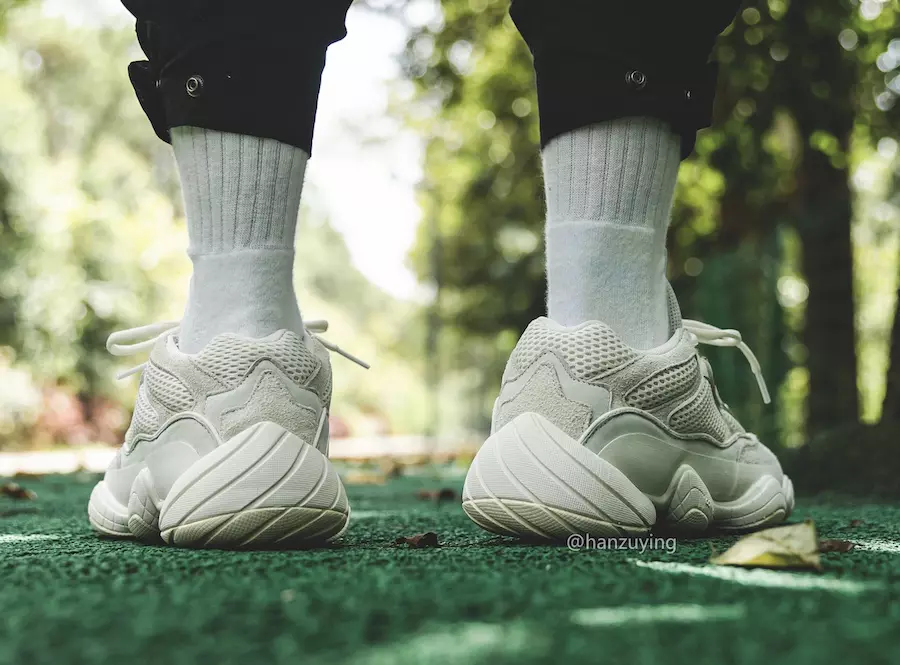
x: 255, y: 66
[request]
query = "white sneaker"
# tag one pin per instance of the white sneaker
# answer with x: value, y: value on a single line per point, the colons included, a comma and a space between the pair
x: 590, y: 436
x: 227, y: 447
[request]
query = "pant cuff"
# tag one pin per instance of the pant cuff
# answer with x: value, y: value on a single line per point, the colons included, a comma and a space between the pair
x: 252, y: 90
x: 577, y: 89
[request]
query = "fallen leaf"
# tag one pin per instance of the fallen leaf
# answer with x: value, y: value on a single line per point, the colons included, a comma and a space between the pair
x: 419, y: 541
x: 835, y: 545
x: 16, y: 491
x: 791, y: 546
x: 855, y: 523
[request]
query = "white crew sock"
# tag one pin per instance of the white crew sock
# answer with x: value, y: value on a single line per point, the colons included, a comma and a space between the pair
x: 241, y: 196
x: 609, y: 196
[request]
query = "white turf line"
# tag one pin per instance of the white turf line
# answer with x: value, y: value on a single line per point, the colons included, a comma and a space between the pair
x: 878, y: 545
x: 373, y: 514
x: 23, y: 537
x: 673, y: 613
x: 453, y: 644
x: 760, y: 577
x: 370, y: 514
x: 467, y: 642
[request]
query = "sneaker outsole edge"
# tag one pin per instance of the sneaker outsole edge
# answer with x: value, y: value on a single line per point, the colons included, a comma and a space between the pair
x: 532, y: 480
x: 263, y: 488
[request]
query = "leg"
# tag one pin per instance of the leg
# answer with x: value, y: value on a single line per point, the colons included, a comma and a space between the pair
x: 234, y: 86
x: 621, y: 96
x: 610, y: 428
x: 228, y: 443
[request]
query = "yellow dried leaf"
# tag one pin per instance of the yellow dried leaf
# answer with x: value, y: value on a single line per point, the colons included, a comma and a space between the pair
x: 791, y: 546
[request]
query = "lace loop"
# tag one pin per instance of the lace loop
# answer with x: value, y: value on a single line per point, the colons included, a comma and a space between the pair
x: 135, y: 340
x: 321, y: 325
x: 704, y: 333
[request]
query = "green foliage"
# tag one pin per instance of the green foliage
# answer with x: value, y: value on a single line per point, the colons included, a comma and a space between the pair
x: 87, y: 234
x: 484, y: 169
x: 482, y: 234
x: 391, y: 397
x: 92, y: 240
x: 797, y: 82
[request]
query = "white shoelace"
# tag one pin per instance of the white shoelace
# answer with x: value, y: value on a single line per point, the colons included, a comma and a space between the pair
x: 704, y: 333
x: 136, y: 340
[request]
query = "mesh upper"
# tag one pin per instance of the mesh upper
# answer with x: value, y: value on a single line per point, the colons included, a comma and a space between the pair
x: 174, y: 383
x: 230, y: 358
x: 168, y: 390
x: 701, y: 416
x: 588, y: 351
x: 672, y: 385
x: 145, y: 420
x: 664, y: 386
x: 144, y: 413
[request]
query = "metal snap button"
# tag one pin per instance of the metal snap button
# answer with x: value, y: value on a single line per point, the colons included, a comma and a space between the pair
x: 636, y: 79
x: 194, y: 85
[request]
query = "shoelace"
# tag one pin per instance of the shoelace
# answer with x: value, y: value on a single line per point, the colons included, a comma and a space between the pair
x: 135, y: 340
x: 704, y: 333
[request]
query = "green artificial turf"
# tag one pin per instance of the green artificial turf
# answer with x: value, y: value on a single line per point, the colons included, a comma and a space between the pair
x: 75, y: 598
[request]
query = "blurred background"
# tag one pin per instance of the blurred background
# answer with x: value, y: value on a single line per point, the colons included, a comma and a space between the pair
x: 420, y: 234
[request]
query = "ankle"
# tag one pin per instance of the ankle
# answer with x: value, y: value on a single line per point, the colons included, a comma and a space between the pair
x: 246, y: 292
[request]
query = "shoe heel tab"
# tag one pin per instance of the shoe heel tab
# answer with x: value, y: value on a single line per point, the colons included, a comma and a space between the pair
x: 232, y: 339
x: 541, y: 322
x: 166, y: 347
x: 680, y: 336
x: 546, y: 323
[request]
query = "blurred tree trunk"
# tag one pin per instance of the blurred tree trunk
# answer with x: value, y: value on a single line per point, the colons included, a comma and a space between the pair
x: 829, y: 334
x: 822, y: 205
x: 890, y: 407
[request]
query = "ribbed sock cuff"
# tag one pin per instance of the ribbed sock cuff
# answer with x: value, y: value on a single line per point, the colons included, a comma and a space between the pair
x: 621, y: 172
x: 240, y: 191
